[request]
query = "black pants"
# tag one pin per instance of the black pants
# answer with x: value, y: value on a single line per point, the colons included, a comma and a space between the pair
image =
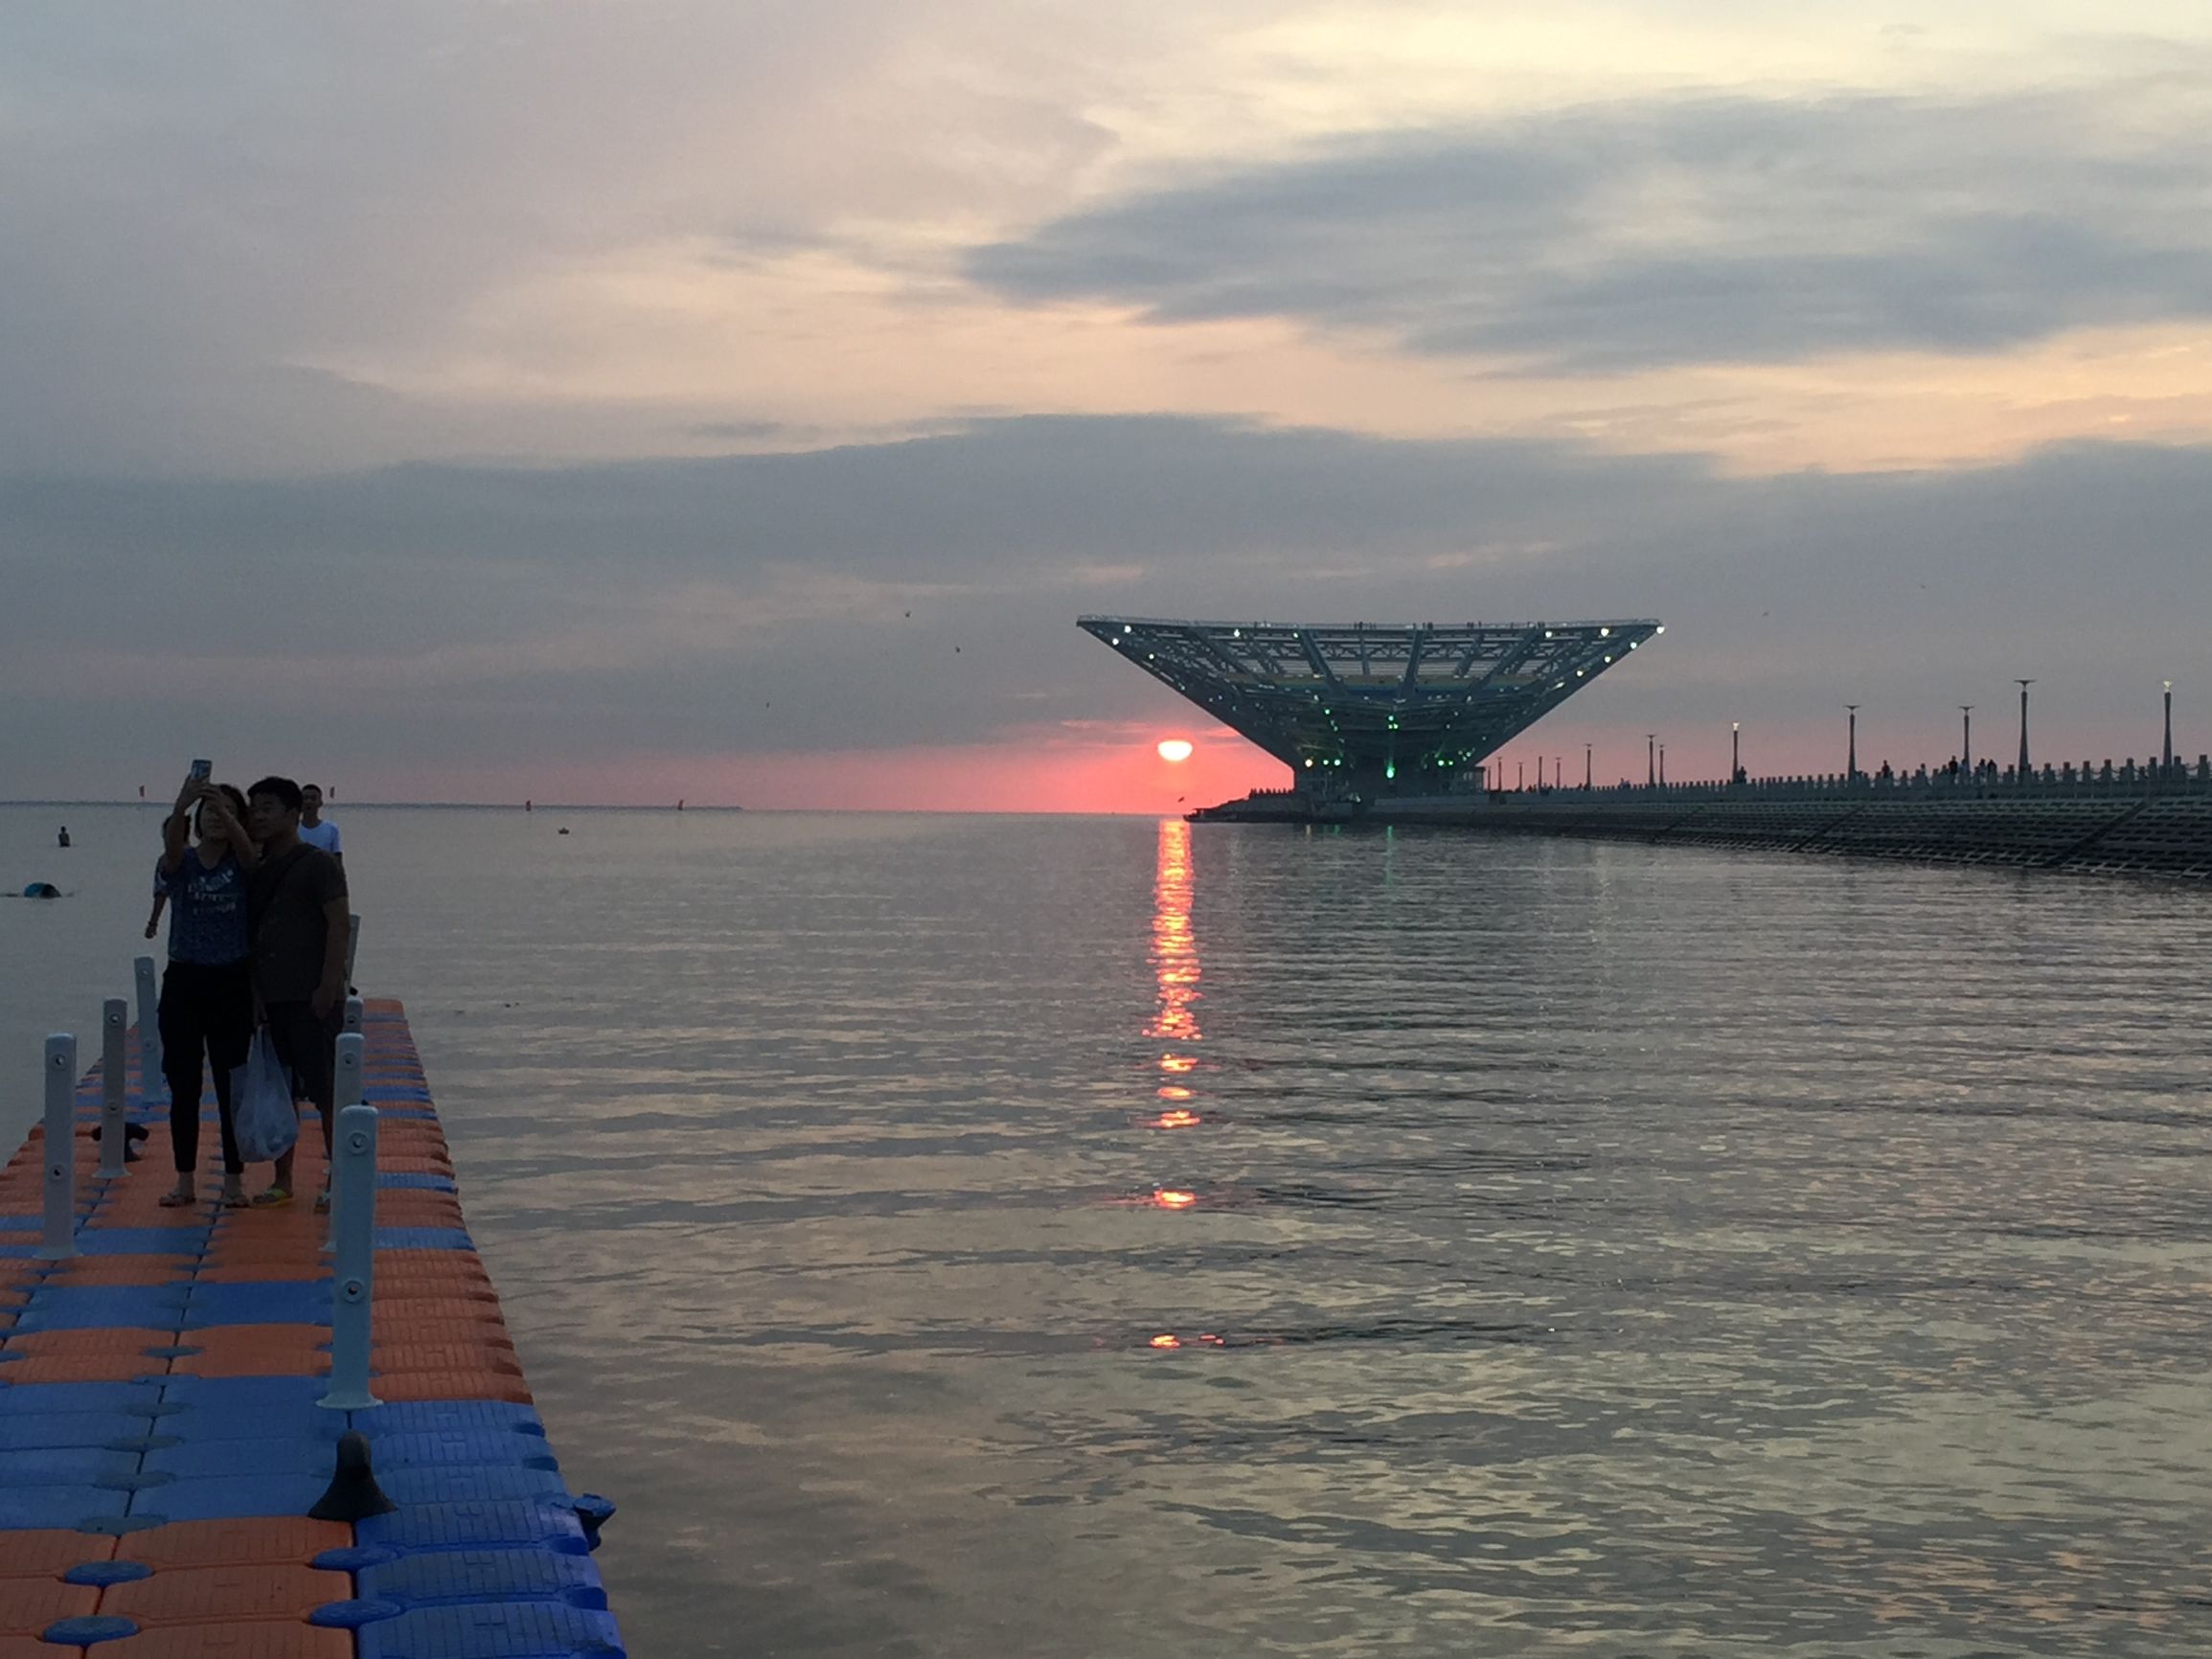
x: 211, y: 1008
x: 309, y: 1048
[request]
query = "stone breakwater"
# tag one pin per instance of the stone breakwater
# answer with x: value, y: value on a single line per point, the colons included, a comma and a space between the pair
x: 2138, y: 834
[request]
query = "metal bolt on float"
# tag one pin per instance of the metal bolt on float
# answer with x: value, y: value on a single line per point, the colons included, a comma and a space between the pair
x: 353, y: 1232
x: 60, y: 1241
x: 354, y: 1013
x: 148, y: 1031
x: 114, y: 1021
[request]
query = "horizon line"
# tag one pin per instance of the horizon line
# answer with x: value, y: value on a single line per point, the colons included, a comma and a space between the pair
x: 629, y: 807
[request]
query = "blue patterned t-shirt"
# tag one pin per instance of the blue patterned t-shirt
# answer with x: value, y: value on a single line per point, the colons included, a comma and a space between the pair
x: 207, y: 910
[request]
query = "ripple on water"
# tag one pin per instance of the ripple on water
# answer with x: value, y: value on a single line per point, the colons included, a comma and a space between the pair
x: 1604, y: 1249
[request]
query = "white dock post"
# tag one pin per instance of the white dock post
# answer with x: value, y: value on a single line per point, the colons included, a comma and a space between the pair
x: 347, y: 1092
x: 353, y: 1228
x: 149, y: 1081
x: 348, y: 1076
x: 114, y: 1022
x: 60, y: 1241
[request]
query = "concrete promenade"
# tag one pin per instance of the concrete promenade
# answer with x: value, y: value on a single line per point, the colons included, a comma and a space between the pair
x: 161, y: 1442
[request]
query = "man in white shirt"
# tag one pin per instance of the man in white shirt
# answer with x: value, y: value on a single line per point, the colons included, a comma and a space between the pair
x: 315, y: 830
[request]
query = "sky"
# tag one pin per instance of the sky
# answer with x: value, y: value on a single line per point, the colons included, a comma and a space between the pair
x: 740, y: 401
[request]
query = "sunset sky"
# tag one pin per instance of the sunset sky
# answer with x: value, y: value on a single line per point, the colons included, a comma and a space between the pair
x: 740, y: 401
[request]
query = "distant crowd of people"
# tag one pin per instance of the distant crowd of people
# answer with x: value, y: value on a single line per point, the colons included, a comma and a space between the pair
x: 258, y: 927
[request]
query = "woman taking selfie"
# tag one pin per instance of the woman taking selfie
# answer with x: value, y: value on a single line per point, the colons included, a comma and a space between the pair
x: 207, y: 995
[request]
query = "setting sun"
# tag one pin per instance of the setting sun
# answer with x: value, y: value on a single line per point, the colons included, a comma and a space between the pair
x: 1175, y: 748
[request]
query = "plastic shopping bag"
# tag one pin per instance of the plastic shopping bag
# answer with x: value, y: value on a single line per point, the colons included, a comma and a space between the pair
x: 261, y: 1111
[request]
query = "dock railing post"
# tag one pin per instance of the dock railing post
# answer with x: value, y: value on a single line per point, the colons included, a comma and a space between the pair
x: 114, y: 1022
x: 58, y: 1243
x: 347, y: 1076
x: 148, y: 1031
x: 353, y: 1227
x: 347, y: 1091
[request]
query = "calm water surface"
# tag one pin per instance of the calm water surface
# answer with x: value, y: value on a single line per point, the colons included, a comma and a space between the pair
x: 1000, y: 1237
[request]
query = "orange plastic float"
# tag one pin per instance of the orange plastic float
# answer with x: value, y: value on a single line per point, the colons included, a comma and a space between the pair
x: 180, y: 1361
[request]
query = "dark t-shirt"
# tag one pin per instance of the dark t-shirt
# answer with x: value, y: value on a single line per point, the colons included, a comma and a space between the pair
x: 287, y: 895
x: 207, y: 915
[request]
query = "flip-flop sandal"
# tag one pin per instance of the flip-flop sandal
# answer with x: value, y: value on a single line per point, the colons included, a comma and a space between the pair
x: 237, y: 1201
x: 275, y: 1197
x: 178, y: 1200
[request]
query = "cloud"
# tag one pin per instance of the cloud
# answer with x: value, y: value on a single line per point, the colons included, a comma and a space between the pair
x: 197, y: 212
x: 922, y: 594
x: 1683, y: 230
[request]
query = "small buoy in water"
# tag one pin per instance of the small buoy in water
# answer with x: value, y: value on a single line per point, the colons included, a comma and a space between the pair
x: 42, y: 890
x: 563, y: 831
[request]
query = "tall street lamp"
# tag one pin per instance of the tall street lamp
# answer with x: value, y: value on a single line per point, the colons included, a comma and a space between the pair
x: 1852, y: 775
x: 2024, y: 686
x: 1966, y: 740
x: 2168, y: 760
x: 1735, y: 750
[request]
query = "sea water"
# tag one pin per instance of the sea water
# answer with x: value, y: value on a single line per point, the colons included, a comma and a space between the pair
x: 971, y: 1236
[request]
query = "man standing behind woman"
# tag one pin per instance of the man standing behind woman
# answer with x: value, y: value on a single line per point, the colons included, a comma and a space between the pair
x: 206, y: 995
x: 315, y: 830
x: 297, y: 896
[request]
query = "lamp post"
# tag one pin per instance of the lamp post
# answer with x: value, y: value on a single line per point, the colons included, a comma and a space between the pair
x: 1735, y: 750
x: 1851, y: 774
x: 1588, y: 747
x: 1651, y: 759
x: 1966, y: 740
x: 2166, y: 759
x: 2024, y: 686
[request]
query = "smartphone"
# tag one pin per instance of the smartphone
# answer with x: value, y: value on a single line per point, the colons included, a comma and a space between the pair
x: 202, y: 771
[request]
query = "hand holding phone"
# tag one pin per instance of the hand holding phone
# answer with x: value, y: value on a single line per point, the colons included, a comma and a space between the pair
x: 201, y: 771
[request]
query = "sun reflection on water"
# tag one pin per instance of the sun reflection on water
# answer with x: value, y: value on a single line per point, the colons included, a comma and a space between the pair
x: 1175, y: 950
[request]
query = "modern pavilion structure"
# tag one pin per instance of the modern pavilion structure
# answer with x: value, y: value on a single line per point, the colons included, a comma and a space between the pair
x: 1362, y: 710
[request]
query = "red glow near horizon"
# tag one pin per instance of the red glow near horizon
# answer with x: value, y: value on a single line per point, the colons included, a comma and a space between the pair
x: 1113, y: 768
x: 1061, y: 768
